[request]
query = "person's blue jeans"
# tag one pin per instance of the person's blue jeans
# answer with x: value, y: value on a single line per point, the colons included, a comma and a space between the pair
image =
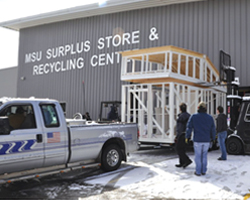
x: 200, y: 151
x: 221, y: 139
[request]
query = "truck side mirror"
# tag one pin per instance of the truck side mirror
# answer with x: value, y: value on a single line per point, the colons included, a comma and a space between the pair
x: 4, y: 126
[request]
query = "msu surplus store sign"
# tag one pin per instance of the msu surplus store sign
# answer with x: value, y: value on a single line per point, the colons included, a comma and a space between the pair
x: 102, y: 59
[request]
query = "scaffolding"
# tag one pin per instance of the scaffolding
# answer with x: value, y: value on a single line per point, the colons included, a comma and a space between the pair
x: 158, y: 80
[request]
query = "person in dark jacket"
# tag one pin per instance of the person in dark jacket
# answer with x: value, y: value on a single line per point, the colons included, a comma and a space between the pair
x: 182, y: 120
x: 87, y: 116
x: 113, y: 114
x: 222, y: 132
x: 204, y: 130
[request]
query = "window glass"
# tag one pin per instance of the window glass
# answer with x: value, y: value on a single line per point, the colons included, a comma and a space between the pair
x: 50, y: 116
x: 240, y: 113
x: 20, y: 116
x: 247, y: 116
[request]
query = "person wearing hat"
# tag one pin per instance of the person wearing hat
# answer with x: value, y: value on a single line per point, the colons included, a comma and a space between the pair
x: 203, y: 127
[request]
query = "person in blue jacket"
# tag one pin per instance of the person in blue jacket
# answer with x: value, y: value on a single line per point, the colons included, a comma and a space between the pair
x: 202, y: 124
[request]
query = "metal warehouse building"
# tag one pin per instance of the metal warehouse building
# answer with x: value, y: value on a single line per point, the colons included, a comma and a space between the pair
x: 73, y: 55
x: 8, y: 77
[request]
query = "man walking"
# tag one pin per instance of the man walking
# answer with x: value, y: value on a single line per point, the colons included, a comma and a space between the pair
x: 204, y: 131
x: 222, y: 132
x: 182, y: 120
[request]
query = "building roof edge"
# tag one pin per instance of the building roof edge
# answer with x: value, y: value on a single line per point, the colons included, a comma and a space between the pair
x: 112, y: 6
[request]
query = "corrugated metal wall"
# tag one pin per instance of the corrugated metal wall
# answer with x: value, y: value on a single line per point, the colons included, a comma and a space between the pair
x: 8, y: 79
x: 206, y: 27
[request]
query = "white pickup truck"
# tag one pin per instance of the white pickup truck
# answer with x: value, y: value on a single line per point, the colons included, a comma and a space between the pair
x: 36, y: 140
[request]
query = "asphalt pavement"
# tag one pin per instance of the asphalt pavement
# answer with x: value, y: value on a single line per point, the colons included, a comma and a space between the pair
x: 72, y: 185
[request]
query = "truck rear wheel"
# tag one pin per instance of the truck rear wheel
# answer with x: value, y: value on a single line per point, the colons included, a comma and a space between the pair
x: 111, y: 158
x: 234, y: 146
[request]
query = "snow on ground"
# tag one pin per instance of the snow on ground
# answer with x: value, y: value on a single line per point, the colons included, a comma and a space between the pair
x: 162, y: 180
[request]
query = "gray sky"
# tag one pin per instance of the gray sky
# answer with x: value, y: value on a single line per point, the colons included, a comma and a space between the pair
x: 14, y: 9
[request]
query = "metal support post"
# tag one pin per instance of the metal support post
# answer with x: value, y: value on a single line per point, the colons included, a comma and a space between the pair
x: 171, y: 111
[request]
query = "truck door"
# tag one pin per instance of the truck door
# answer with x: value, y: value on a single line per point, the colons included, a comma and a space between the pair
x: 22, y: 148
x: 55, y: 132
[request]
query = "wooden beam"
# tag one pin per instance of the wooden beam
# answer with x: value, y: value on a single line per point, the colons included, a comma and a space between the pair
x: 160, y: 56
x: 165, y: 80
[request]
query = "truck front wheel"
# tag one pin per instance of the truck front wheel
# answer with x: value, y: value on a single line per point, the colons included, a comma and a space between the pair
x: 111, y: 158
x: 234, y: 146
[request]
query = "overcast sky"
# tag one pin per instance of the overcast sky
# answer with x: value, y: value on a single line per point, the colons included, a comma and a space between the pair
x: 15, y: 9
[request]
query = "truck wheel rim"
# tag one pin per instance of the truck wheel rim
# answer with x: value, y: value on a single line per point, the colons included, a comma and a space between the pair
x: 112, y: 158
x: 233, y: 147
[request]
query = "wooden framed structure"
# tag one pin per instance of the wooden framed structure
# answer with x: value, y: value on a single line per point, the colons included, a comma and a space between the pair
x: 161, y: 78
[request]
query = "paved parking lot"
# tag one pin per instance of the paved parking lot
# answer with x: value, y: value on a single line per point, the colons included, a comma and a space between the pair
x: 148, y: 174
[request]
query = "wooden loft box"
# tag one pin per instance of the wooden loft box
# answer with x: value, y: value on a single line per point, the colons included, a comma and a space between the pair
x: 167, y: 64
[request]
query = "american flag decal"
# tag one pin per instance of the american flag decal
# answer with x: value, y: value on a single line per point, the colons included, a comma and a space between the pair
x: 53, y: 137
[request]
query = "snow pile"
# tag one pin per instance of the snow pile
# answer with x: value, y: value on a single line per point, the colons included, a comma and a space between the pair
x: 224, y: 179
